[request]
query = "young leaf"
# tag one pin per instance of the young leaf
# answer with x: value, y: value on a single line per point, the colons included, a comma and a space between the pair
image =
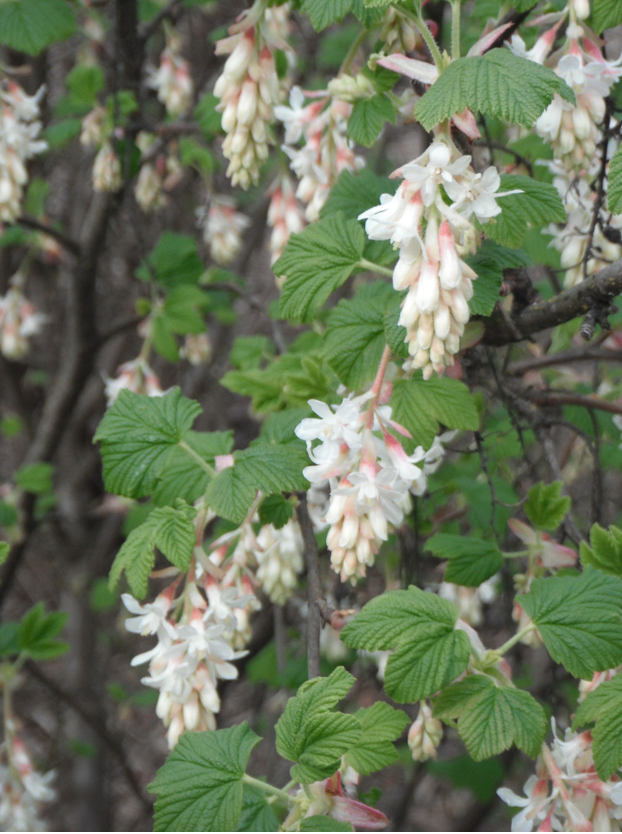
x: 353, y: 194
x: 35, y: 478
x: 324, y: 12
x: 257, y: 815
x: 488, y: 263
x: 604, y: 706
x: 174, y: 260
x: 200, y: 787
x: 315, y: 263
x: 137, y: 434
x: 429, y: 654
x: 181, y: 476
x: 5, y: 549
x: 381, y: 725
x: 420, y: 405
x: 355, y: 335
x: 538, y: 205
x: 311, y: 734
x: 492, y: 717
x: 605, y: 15
x: 579, y: 618
x: 471, y: 561
x: 614, y: 183
x: 498, y: 83
x: 394, y: 333
x: 38, y: 631
x: 545, y: 507
x: 170, y: 530
x: 605, y: 552
x: 368, y: 118
x: 275, y: 510
x: 31, y: 25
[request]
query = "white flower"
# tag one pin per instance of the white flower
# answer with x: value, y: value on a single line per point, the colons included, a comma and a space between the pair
x: 341, y: 423
x: 151, y: 617
x: 222, y: 228
x: 279, y: 556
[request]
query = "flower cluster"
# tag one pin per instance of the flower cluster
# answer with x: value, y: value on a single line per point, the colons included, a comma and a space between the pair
x: 566, y: 793
x: 326, y: 151
x: 222, y: 228
x: 429, y: 219
x: 155, y: 177
x: 97, y: 131
x: 18, y: 320
x: 249, y: 89
x: 334, y: 797
x: 369, y: 475
x: 19, y: 129
x: 285, y: 215
x: 196, y: 349
x: 172, y: 79
x: 279, y: 556
x: 398, y: 33
x: 22, y: 788
x: 469, y: 601
x: 137, y: 377
x: 425, y: 734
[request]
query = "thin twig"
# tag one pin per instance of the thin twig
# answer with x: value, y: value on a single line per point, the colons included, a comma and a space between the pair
x: 551, y: 399
x: 314, y: 586
x: 32, y: 223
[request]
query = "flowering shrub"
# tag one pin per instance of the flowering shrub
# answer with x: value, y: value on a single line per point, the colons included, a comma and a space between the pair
x: 391, y: 226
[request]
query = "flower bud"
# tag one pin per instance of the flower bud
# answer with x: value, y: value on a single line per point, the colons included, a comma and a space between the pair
x: 425, y: 734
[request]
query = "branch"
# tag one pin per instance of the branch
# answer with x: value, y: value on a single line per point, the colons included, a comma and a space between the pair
x: 314, y: 586
x: 604, y: 286
x: 565, y: 357
x: 551, y: 399
x: 32, y: 223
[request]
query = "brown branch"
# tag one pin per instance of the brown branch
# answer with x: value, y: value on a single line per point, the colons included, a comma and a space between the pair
x: 69, y: 243
x: 564, y: 357
x: 604, y: 286
x: 314, y: 586
x: 552, y: 399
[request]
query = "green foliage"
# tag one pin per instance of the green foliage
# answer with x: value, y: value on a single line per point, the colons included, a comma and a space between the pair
x: 316, y: 262
x: 481, y: 778
x: 35, y: 478
x: 31, y: 25
x: 249, y: 352
x: 37, y: 633
x: 275, y: 510
x: 9, y: 639
x: 324, y: 12
x: 614, y: 183
x: 257, y: 815
x: 605, y: 15
x: 137, y: 434
x: 381, y: 725
x: 368, y: 118
x: 196, y: 155
x: 605, y: 550
x: 429, y: 652
x: 545, y: 507
x: 173, y: 261
x: 471, y: 561
x: 355, y: 335
x: 324, y: 824
x: 311, y: 734
x: 60, y: 133
x: 84, y: 83
x: 180, y: 476
x: 537, y: 206
x: 5, y: 549
x: 489, y: 262
x: 170, y: 530
x: 353, y: 194
x: 206, y: 115
x: 492, y: 717
x: 498, y: 83
x: 199, y: 787
x: 604, y: 706
x: 579, y: 620
x: 421, y: 405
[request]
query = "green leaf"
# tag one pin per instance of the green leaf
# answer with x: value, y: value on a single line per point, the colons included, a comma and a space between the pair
x: 171, y: 531
x: 38, y: 632
x: 9, y: 639
x: 315, y: 263
x: 381, y: 724
x: 605, y: 15
x: 492, y: 717
x: 137, y: 434
x: 311, y: 734
x: 59, y: 133
x: 614, y: 183
x: 545, y: 507
x: 498, y: 83
x: 471, y: 561
x: 355, y: 337
x: 257, y: 815
x: 324, y: 824
x: 181, y: 476
x: 31, y: 25
x: 210, y: 121
x: 200, y: 787
x: 35, y: 478
x: 368, y: 118
x: 579, y: 618
x: 604, y: 706
x: 537, y: 206
x: 429, y: 654
x: 605, y: 552
x: 280, y: 427
x: 324, y: 12
x: 353, y: 194
x: 394, y: 333
x: 84, y: 82
x: 173, y: 261
x: 488, y: 263
x: 249, y: 351
x: 419, y: 405
x: 275, y: 510
x: 184, y: 309
x: 481, y: 778
x: 5, y: 549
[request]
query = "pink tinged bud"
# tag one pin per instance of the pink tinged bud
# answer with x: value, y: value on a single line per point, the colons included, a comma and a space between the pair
x: 465, y: 122
x: 405, y: 272
x: 437, y: 350
x: 449, y: 272
x: 357, y: 813
x: 349, y: 531
x: 247, y: 105
x: 459, y: 307
x: 427, y: 292
x: 523, y: 531
x: 425, y: 331
x: 442, y: 321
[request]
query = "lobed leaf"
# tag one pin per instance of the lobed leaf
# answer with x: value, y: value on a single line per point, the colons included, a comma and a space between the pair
x: 605, y: 552
x: 471, y: 561
x: 538, y: 205
x: 545, y: 507
x: 604, y: 706
x: 381, y: 725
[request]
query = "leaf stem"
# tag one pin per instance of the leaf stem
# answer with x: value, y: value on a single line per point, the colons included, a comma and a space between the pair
x: 197, y: 458
x: 515, y: 555
x: 381, y: 270
x: 455, y: 29
x: 427, y: 36
x: 514, y: 640
x: 266, y: 787
x: 351, y: 53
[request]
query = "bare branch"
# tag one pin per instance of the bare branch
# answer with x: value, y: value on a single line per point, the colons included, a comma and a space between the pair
x: 314, y: 585
x: 32, y: 223
x: 551, y: 399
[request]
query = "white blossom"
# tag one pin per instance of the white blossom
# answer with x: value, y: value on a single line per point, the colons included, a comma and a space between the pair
x: 222, y: 228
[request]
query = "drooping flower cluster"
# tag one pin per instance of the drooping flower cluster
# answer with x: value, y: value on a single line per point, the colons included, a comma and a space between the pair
x: 398, y: 33
x: 22, y: 788
x: 97, y: 131
x: 19, y: 129
x: 172, y: 79
x: 137, y: 377
x: 279, y: 556
x: 566, y: 793
x: 18, y: 320
x: 249, y: 89
x: 157, y: 175
x: 285, y: 215
x: 429, y: 219
x: 196, y: 349
x: 369, y: 475
x: 425, y: 734
x: 222, y: 228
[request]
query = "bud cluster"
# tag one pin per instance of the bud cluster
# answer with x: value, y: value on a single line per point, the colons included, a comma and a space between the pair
x: 97, y: 131
x: 326, y: 152
x: 285, y: 215
x: 22, y: 788
x: 136, y: 376
x: 429, y: 219
x: 425, y: 734
x: 19, y: 129
x: 369, y: 473
x: 18, y: 320
x: 222, y: 228
x: 398, y: 33
x: 155, y: 177
x: 172, y: 79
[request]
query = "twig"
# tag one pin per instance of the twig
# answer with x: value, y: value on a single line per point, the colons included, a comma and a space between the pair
x: 565, y: 357
x: 600, y: 180
x: 314, y: 586
x: 498, y: 146
x: 279, y: 638
x: 32, y: 223
x: 549, y: 452
x: 552, y: 399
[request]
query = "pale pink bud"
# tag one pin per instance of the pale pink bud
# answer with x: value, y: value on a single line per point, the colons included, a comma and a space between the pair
x: 427, y: 288
x: 449, y: 271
